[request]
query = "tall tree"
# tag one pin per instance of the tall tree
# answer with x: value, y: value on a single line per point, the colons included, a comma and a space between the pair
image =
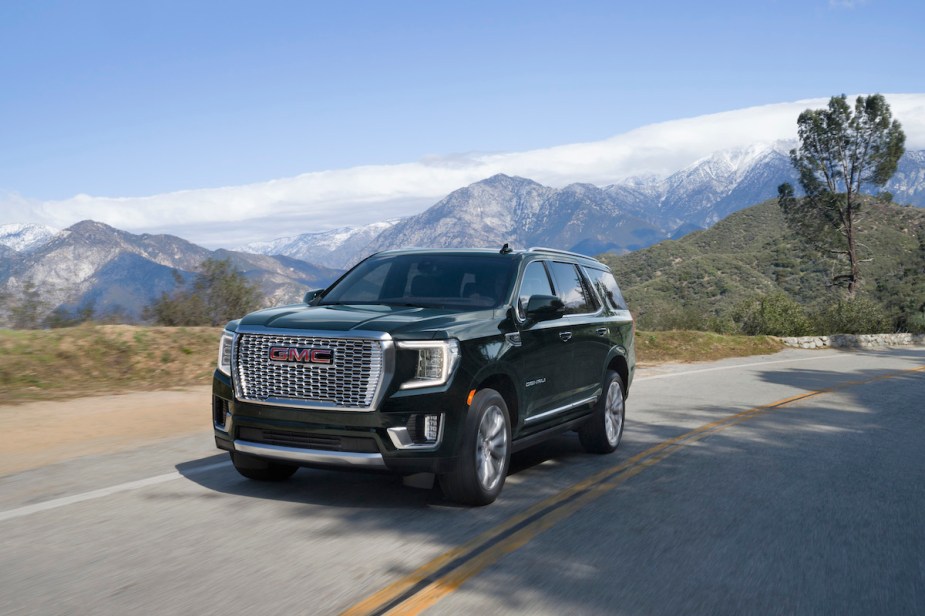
x: 843, y: 151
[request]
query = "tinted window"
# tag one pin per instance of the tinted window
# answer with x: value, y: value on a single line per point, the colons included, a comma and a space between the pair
x: 535, y: 282
x: 607, y: 288
x: 572, y: 290
x: 429, y: 280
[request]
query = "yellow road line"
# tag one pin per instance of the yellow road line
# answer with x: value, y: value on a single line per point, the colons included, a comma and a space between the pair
x: 441, y: 576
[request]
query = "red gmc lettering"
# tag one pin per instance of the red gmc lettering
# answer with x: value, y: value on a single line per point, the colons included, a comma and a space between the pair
x: 302, y: 356
x: 322, y: 356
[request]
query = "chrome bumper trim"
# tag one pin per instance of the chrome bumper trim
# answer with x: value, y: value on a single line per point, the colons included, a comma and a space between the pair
x: 311, y: 456
x: 401, y: 438
x: 562, y: 409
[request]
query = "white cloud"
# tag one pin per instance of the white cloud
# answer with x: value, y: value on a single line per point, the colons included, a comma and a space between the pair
x: 322, y: 200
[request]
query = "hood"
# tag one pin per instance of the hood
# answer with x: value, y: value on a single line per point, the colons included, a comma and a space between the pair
x: 398, y: 321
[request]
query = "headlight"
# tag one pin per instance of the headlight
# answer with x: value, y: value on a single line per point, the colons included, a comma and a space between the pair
x: 224, y: 352
x: 436, y: 361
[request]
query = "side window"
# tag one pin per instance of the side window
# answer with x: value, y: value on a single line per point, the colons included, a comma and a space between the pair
x: 607, y: 288
x: 572, y: 289
x: 535, y: 282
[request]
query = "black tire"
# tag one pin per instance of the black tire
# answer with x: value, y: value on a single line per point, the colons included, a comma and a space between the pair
x: 485, y: 452
x: 259, y: 469
x: 604, y: 429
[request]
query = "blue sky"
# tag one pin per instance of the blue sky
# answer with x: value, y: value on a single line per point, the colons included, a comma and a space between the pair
x: 126, y: 99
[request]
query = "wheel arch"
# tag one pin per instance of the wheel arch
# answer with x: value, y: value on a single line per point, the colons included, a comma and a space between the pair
x: 618, y: 364
x: 503, y: 383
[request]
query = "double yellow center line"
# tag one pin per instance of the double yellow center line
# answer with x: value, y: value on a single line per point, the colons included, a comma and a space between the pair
x: 444, y: 574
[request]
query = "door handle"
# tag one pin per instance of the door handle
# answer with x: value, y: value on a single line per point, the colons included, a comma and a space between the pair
x: 566, y: 336
x: 602, y: 331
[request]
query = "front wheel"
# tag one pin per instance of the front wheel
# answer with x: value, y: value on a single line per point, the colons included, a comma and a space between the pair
x: 485, y: 453
x: 604, y: 429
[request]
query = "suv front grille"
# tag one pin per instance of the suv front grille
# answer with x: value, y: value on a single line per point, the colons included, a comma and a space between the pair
x: 350, y: 382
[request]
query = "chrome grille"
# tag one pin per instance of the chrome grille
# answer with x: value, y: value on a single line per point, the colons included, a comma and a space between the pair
x: 351, y: 382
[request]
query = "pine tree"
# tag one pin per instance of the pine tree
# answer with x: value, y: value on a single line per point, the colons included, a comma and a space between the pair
x: 843, y: 152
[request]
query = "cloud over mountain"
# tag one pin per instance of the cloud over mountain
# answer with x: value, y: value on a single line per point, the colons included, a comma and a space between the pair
x: 317, y: 201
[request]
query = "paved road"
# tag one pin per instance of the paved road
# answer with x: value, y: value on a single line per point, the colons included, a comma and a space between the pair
x: 713, y: 504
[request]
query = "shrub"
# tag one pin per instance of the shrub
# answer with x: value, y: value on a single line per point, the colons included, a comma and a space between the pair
x: 915, y: 323
x: 663, y: 316
x: 858, y: 315
x: 774, y: 314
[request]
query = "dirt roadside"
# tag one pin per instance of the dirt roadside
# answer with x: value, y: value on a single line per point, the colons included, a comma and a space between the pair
x: 41, y: 433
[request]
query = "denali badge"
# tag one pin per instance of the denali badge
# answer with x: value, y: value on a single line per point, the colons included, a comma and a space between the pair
x: 297, y: 355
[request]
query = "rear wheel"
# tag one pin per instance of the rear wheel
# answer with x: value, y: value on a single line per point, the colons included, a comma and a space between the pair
x: 604, y: 429
x: 260, y: 469
x: 485, y: 453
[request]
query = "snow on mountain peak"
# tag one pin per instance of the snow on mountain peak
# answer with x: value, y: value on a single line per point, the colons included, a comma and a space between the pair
x: 25, y: 237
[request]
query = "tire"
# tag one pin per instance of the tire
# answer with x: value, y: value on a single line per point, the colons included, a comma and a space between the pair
x: 485, y: 452
x: 604, y: 429
x: 259, y: 469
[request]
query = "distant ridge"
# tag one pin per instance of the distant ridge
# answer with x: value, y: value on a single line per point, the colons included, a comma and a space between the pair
x: 91, y: 263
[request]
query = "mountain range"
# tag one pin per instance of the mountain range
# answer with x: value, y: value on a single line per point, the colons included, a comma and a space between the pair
x: 92, y: 263
x: 622, y: 217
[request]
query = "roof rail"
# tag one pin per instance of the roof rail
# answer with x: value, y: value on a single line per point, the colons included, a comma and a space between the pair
x: 559, y: 252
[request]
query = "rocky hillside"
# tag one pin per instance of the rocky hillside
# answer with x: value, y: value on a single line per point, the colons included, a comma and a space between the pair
x: 93, y: 264
x: 753, y: 252
x: 523, y: 213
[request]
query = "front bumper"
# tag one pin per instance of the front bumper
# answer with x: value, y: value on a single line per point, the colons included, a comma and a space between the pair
x: 372, y: 440
x: 313, y: 457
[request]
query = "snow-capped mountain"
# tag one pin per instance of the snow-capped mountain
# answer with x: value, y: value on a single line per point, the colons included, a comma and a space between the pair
x: 93, y: 263
x: 692, y: 193
x: 523, y: 213
x: 908, y: 184
x: 114, y: 271
x: 709, y: 189
x: 336, y: 248
x: 630, y: 214
x: 25, y: 237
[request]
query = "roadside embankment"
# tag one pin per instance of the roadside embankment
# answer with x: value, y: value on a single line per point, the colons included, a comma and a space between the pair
x: 850, y: 341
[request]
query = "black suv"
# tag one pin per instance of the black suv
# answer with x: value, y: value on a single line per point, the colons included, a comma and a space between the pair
x: 429, y: 361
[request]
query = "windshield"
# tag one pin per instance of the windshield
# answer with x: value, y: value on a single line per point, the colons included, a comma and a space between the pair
x: 427, y: 280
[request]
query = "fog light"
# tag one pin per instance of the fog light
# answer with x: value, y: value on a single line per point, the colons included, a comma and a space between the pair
x: 421, y: 432
x: 431, y: 428
x: 424, y: 429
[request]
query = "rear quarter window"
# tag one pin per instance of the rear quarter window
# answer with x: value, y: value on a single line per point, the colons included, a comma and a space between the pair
x: 572, y: 288
x: 607, y: 287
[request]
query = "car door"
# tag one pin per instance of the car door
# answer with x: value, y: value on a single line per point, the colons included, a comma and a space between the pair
x: 540, y: 358
x: 586, y: 330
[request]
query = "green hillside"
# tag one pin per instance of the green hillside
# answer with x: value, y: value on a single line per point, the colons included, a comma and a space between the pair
x: 700, y: 280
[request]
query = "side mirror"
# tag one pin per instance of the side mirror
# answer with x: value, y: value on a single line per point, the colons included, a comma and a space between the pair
x: 544, y: 308
x: 311, y: 296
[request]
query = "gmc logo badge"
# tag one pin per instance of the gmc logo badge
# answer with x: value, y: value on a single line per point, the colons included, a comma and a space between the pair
x: 296, y: 355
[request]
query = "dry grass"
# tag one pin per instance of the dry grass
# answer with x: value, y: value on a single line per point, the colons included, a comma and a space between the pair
x: 94, y: 359
x: 689, y: 346
x: 98, y: 359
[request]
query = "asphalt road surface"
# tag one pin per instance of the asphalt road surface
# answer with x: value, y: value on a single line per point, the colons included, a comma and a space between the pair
x: 787, y: 484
